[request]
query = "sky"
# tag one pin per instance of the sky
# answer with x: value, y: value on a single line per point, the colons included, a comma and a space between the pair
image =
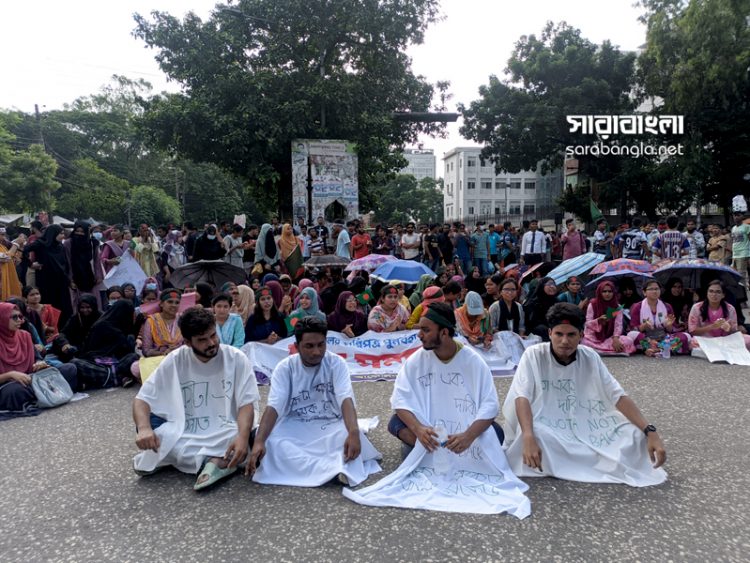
x: 55, y: 51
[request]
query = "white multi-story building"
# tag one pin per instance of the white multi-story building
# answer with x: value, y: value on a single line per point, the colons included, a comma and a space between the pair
x: 422, y: 163
x: 473, y: 189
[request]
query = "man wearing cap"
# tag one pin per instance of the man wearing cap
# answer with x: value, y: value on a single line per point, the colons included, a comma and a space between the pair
x: 567, y: 417
x: 446, y: 404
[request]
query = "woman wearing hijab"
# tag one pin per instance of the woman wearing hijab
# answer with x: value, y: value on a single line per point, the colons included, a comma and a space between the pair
x: 77, y: 329
x: 432, y: 294
x: 282, y: 302
x: 603, y: 330
x: 475, y: 281
x: 244, y: 302
x: 507, y: 313
x: 473, y: 322
x: 347, y: 318
x: 290, y: 251
x: 111, y: 340
x: 208, y: 246
x: 17, y: 362
x: 54, y: 277
x: 424, y: 282
x: 266, y: 251
x: 536, y: 307
x: 83, y: 254
x: 308, y: 305
x: 32, y: 324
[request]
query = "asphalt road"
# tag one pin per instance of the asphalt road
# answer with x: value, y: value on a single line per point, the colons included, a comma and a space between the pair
x: 69, y: 493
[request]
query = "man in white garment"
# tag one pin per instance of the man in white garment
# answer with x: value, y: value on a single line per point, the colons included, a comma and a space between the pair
x: 197, y: 410
x: 446, y: 404
x: 567, y: 417
x: 308, y: 434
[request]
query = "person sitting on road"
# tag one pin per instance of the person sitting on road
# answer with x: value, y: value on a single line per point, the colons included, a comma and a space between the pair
x: 653, y: 323
x: 266, y: 324
x: 197, y: 410
x: 567, y: 417
x: 311, y: 420
x: 229, y: 326
x: 473, y: 321
x: 605, y: 327
x: 432, y: 294
x: 445, y: 407
x: 388, y: 315
x: 714, y: 317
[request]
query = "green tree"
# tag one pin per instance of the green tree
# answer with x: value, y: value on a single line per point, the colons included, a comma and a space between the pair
x: 151, y: 205
x: 27, y: 180
x: 521, y: 121
x: 93, y: 192
x: 696, y: 64
x: 405, y: 199
x: 258, y: 75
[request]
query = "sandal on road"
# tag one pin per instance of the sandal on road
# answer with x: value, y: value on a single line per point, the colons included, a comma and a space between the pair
x: 211, y: 474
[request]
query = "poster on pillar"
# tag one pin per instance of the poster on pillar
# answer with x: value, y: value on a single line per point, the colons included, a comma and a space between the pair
x: 332, y: 167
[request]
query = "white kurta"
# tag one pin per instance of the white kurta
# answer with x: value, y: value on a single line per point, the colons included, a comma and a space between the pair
x: 200, y: 403
x: 583, y: 437
x: 306, y: 446
x: 454, y: 395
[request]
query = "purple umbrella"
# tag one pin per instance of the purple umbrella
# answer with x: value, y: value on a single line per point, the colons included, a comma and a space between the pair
x: 369, y: 262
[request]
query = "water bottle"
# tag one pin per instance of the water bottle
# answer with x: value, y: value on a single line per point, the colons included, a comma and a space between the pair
x: 440, y: 455
x: 666, y: 351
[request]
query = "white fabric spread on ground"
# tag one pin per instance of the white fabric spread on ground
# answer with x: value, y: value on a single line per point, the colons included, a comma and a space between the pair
x: 306, y: 447
x: 730, y: 349
x: 453, y: 395
x: 583, y: 437
x: 200, y: 403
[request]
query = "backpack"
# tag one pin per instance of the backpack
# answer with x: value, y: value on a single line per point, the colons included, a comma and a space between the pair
x: 95, y: 376
x: 51, y: 388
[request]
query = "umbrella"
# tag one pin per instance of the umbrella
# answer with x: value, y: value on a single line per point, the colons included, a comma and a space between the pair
x: 327, y: 261
x: 623, y: 264
x: 532, y: 269
x: 403, y: 271
x: 214, y: 272
x: 369, y: 262
x: 695, y: 273
x: 575, y: 266
x: 639, y: 277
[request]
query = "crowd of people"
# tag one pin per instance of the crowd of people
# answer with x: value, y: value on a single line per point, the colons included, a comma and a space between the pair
x: 57, y: 311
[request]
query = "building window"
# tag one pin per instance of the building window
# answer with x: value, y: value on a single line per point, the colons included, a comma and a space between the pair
x: 529, y: 185
x: 485, y: 208
x: 500, y: 183
x: 515, y: 184
x: 471, y: 184
x: 471, y: 210
x: 514, y: 208
x: 460, y: 163
x: 471, y: 162
x: 451, y: 166
x: 529, y: 209
x: 497, y: 210
x: 486, y: 184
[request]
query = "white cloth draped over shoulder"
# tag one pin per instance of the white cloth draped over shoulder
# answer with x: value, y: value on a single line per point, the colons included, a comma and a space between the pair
x: 581, y: 434
x: 306, y: 446
x: 453, y: 394
x: 200, y: 402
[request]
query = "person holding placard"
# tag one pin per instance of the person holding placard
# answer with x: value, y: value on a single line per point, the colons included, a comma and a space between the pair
x: 567, y: 417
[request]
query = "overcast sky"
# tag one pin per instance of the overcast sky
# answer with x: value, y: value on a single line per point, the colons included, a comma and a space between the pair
x: 56, y: 51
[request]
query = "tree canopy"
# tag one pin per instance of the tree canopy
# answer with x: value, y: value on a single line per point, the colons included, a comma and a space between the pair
x: 259, y: 73
x: 404, y: 199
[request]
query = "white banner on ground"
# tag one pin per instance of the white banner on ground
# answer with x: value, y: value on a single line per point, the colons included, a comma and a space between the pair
x: 730, y: 349
x: 127, y: 271
x: 377, y: 356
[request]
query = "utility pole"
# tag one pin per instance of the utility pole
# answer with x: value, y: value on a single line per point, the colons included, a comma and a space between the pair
x: 39, y: 125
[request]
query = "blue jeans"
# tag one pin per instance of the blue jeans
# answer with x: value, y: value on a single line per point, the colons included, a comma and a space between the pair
x: 482, y: 264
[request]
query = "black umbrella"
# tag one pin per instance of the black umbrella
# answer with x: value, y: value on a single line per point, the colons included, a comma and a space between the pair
x: 214, y: 272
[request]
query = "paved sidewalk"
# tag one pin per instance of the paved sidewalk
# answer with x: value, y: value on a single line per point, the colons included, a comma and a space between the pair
x: 69, y: 494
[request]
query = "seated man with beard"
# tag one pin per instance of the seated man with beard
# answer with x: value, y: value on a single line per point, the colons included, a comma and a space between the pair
x: 197, y: 410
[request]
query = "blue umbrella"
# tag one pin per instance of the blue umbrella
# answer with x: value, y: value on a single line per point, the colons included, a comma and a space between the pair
x: 697, y: 272
x: 639, y: 277
x: 575, y: 266
x: 403, y: 271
